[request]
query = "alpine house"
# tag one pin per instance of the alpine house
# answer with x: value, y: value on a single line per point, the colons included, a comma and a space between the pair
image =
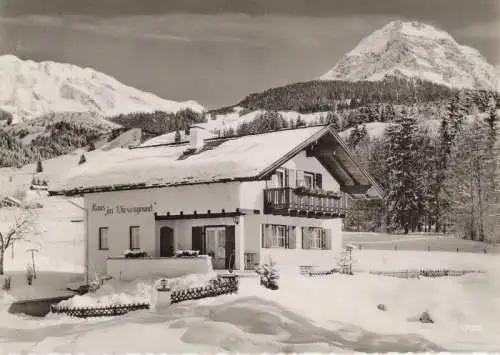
x: 238, y: 199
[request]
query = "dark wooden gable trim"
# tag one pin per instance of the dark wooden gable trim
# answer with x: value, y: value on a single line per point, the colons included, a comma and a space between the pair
x: 311, y: 141
x: 346, y: 149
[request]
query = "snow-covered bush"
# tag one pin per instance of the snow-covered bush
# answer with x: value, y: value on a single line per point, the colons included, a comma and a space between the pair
x: 269, y: 275
x: 137, y: 253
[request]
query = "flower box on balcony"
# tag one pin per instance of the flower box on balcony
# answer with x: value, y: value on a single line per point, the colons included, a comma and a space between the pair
x: 304, y: 191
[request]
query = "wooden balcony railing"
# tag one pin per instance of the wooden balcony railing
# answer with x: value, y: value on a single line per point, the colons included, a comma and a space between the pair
x: 288, y: 201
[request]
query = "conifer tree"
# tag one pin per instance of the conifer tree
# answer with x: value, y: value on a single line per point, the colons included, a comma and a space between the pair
x: 177, y: 137
x: 39, y: 167
x: 471, y: 182
x: 402, y: 197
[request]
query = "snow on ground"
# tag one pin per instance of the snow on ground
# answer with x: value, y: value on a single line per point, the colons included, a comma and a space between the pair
x: 416, y: 242
x: 334, y: 313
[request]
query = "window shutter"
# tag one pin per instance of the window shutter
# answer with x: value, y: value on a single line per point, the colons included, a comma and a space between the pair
x: 266, y: 236
x: 197, y: 239
x: 230, y: 246
x: 287, y: 178
x: 305, y: 238
x: 292, y: 237
x: 327, y: 239
x: 319, y: 181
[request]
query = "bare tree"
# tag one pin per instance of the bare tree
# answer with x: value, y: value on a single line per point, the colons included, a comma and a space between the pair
x: 22, y: 223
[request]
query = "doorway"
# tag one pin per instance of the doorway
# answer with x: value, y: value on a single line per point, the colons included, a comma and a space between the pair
x: 216, y: 246
x: 166, y: 242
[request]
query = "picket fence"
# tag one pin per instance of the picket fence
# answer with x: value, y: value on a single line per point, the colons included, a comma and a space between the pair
x: 99, y: 311
x: 217, y: 287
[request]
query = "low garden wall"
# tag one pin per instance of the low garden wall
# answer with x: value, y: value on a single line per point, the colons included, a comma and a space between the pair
x: 129, y: 269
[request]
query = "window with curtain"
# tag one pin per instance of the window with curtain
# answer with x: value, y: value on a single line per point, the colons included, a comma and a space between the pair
x: 134, y: 237
x: 103, y: 238
x: 278, y: 236
x: 316, y: 238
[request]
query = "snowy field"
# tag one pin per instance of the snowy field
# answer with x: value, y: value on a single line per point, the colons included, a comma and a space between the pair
x: 332, y: 313
x: 416, y: 242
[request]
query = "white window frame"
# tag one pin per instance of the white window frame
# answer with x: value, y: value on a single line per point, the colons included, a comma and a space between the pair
x: 135, y: 239
x: 306, y: 177
x: 280, y: 178
x: 103, y: 238
x: 278, y: 236
x: 315, y: 237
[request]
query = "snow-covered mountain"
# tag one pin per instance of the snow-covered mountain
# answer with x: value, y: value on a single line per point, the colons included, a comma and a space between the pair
x: 412, y: 49
x: 30, y: 89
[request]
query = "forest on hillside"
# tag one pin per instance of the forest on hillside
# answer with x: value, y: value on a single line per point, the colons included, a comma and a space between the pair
x: 159, y: 122
x: 59, y: 136
x: 58, y: 139
x: 444, y: 182
x: 320, y: 95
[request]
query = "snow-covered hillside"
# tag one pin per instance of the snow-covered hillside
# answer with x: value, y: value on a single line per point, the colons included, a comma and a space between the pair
x: 30, y: 89
x: 412, y: 49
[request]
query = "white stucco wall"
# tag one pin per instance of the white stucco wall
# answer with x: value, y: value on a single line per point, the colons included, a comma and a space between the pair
x: 133, y: 269
x: 292, y: 258
x: 118, y: 224
x: 199, y: 198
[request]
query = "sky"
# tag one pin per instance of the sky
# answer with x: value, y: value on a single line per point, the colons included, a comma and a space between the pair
x: 218, y: 51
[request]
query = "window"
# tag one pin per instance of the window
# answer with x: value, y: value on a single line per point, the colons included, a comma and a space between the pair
x: 316, y: 238
x: 309, y: 180
x: 280, y: 174
x: 278, y: 236
x: 282, y: 177
x: 103, y: 238
x: 134, y: 238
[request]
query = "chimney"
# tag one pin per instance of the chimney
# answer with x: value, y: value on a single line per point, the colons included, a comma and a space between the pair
x: 197, y: 135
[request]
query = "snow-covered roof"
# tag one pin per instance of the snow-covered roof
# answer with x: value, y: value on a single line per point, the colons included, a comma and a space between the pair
x: 248, y: 157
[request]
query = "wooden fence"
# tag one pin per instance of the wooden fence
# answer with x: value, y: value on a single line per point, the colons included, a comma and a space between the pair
x: 99, y: 311
x: 217, y: 287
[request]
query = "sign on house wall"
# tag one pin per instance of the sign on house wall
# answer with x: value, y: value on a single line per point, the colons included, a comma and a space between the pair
x: 120, y: 209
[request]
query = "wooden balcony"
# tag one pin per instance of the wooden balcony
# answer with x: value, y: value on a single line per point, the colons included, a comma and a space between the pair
x: 288, y: 201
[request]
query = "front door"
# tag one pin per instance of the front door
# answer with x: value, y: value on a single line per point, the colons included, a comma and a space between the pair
x: 166, y: 242
x: 216, y: 246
